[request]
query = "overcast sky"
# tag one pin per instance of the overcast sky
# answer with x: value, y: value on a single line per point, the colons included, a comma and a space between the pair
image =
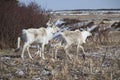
x: 75, y: 4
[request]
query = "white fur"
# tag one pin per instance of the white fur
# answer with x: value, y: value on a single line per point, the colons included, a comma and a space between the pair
x: 40, y: 35
x: 76, y: 38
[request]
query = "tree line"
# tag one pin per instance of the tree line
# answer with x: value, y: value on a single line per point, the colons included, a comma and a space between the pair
x: 15, y: 16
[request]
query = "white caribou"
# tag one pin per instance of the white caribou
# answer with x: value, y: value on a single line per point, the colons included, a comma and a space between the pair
x: 39, y: 36
x: 70, y: 38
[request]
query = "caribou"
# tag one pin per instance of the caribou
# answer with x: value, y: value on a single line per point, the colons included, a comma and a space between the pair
x: 70, y: 38
x: 102, y: 30
x: 40, y: 36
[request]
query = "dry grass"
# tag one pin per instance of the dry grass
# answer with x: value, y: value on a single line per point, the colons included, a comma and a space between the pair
x: 100, y: 64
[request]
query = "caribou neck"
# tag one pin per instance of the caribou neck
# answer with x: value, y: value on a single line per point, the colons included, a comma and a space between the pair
x: 49, y: 32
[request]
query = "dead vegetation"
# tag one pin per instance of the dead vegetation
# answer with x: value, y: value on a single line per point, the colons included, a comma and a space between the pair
x: 101, y: 63
x: 15, y: 16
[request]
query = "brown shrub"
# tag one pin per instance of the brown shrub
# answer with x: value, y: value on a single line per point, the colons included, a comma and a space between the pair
x: 14, y: 17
